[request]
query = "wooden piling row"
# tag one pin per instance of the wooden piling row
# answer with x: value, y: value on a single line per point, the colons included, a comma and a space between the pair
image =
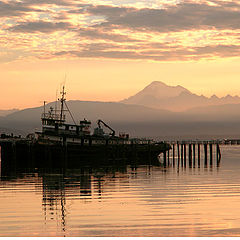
x: 23, y: 154
x: 192, y: 158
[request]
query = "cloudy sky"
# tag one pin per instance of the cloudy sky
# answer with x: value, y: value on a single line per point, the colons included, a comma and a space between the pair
x: 110, y: 49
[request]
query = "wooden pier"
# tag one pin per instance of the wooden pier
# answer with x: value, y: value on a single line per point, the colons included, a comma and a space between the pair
x: 18, y: 152
x: 192, y: 153
x: 22, y: 153
x: 214, y: 141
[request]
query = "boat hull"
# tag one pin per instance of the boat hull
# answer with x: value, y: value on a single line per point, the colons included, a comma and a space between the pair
x: 44, y: 155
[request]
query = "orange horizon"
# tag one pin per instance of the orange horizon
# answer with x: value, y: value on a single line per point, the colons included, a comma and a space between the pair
x: 109, y: 57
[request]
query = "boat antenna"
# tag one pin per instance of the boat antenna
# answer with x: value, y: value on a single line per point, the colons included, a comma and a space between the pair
x: 62, y: 102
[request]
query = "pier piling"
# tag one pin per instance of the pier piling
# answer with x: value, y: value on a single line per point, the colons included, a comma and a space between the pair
x: 181, y: 155
x: 211, y: 154
x: 168, y: 157
x: 199, y: 155
x: 218, y: 155
x: 173, y: 155
x: 194, y: 155
x: 178, y: 151
x: 185, y: 155
x: 205, y: 155
x: 190, y: 155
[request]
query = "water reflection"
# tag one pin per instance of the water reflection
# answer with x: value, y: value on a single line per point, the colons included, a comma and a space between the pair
x: 83, y: 184
x: 130, y: 200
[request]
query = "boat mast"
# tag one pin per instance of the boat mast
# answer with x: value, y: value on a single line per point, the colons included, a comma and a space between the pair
x: 44, y: 107
x: 62, y: 102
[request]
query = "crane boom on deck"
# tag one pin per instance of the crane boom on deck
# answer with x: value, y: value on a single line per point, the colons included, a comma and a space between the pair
x: 99, y: 126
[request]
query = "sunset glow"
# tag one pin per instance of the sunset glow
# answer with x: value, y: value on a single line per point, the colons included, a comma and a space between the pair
x: 109, y: 50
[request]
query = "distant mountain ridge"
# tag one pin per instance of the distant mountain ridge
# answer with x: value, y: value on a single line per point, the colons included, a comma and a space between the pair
x: 175, y: 98
x: 136, y: 120
x: 112, y: 112
x: 146, y: 114
x: 8, y: 111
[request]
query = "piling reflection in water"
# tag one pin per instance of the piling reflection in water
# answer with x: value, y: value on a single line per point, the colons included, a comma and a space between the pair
x: 54, y: 187
x: 59, y: 187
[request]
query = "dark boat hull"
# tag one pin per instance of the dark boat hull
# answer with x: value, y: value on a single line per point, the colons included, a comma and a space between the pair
x: 30, y: 154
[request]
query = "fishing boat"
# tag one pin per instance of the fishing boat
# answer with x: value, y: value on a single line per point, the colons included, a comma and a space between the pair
x: 61, y: 144
x: 55, y: 129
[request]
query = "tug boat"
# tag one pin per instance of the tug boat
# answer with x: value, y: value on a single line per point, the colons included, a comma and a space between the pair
x: 63, y: 145
x: 56, y: 130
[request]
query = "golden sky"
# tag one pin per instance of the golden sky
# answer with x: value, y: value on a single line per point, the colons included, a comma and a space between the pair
x: 111, y: 49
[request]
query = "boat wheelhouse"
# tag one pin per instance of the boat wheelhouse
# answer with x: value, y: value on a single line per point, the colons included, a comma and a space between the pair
x: 55, y: 128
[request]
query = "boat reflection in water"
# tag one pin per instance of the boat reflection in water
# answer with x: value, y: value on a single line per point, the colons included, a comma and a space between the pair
x: 114, y: 200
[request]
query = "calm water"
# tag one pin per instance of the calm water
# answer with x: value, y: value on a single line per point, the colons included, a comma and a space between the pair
x: 128, y: 201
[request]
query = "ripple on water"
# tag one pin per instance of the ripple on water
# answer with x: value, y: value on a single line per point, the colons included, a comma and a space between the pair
x: 142, y: 201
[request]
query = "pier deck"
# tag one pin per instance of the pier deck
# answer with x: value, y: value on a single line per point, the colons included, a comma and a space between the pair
x: 30, y: 154
x: 19, y: 152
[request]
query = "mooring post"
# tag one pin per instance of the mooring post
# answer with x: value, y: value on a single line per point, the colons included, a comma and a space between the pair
x: 218, y: 153
x: 178, y: 156
x: 173, y: 154
x: 178, y: 151
x: 168, y: 156
x: 210, y: 151
x: 185, y: 155
x: 194, y: 155
x: 199, y: 155
x: 205, y: 154
x: 182, y: 155
x: 190, y: 155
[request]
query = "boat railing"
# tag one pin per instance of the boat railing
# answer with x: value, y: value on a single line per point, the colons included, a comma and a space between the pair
x: 53, y: 116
